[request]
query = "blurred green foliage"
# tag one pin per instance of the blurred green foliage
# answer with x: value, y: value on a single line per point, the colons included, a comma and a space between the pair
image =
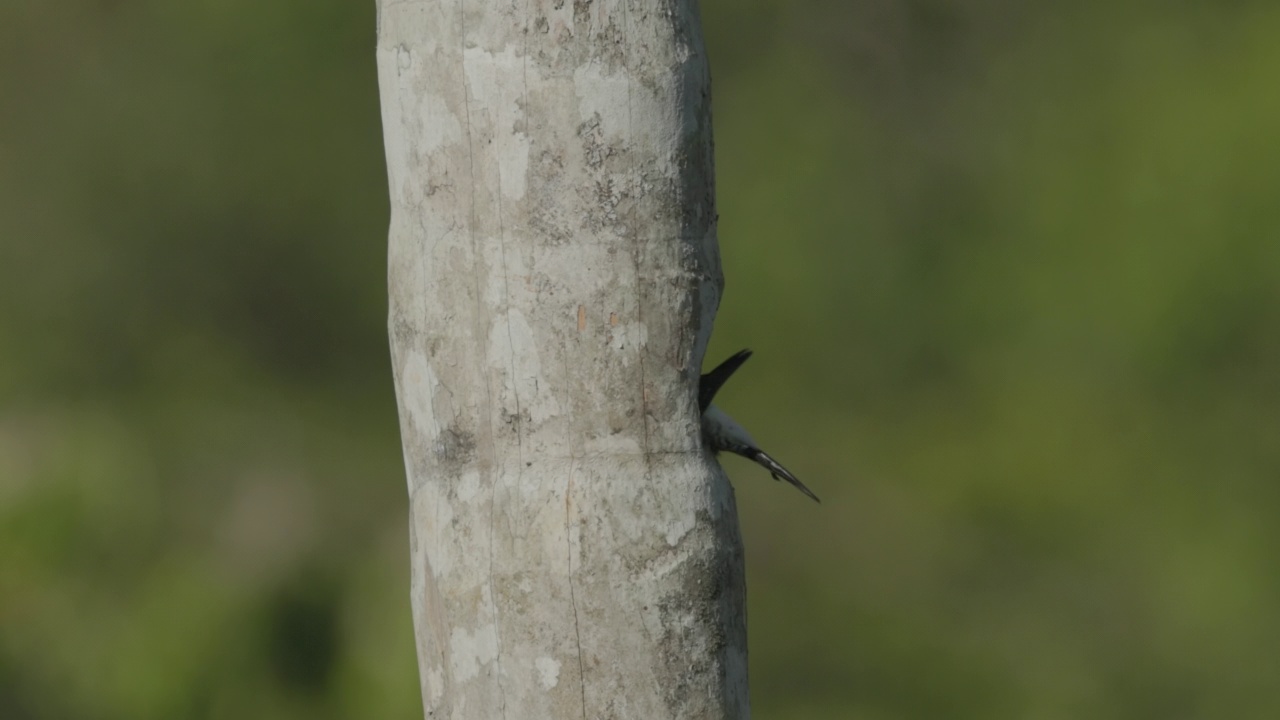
x: 1011, y: 270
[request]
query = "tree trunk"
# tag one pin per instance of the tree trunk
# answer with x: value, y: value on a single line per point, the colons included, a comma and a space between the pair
x: 553, y: 278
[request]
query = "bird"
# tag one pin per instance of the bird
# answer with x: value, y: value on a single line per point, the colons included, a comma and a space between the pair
x: 722, y: 433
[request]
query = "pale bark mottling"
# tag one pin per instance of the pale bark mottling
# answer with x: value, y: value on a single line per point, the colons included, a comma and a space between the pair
x: 553, y: 278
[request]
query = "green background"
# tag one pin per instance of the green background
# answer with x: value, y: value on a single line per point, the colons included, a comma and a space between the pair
x: 1011, y: 271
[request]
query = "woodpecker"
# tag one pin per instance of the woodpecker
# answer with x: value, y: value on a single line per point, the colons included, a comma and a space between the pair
x: 721, y: 432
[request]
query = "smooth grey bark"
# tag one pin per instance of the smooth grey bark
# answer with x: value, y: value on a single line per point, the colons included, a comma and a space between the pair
x: 553, y: 278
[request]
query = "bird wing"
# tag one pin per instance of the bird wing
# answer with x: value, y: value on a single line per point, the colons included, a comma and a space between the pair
x: 710, y: 383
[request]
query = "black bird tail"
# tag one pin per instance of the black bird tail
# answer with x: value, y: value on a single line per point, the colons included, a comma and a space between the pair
x: 778, y: 472
x: 710, y: 383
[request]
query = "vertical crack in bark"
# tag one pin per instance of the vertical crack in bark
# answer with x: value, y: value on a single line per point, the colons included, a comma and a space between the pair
x: 493, y: 607
x: 482, y: 351
x: 573, y: 597
x: 637, y: 242
x: 517, y: 427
